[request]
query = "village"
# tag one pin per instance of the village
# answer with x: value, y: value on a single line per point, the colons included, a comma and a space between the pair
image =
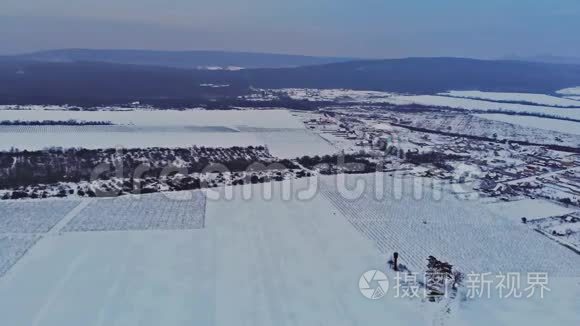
x: 496, y: 171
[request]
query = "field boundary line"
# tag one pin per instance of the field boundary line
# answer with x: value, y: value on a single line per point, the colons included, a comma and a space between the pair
x: 558, y: 241
x: 68, y: 217
x: 17, y: 259
x: 204, y: 210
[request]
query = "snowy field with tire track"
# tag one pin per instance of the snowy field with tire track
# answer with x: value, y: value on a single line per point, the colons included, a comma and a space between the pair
x: 466, y: 234
x: 273, y: 260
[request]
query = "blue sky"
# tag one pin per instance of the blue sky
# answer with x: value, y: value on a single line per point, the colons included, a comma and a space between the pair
x: 357, y: 28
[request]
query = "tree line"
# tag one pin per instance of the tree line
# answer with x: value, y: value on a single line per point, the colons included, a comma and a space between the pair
x: 70, y: 122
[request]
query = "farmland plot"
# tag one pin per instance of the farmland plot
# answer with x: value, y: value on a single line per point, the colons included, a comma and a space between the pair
x: 112, y: 278
x: 465, y: 233
x: 156, y: 118
x: 522, y: 128
x: 528, y: 208
x: 248, y: 267
x: 292, y: 144
x: 569, y: 127
x: 570, y: 91
x: 12, y: 247
x: 282, y: 132
x: 33, y: 216
x: 141, y: 139
x: 539, y: 99
x: 72, y: 129
x: 176, y: 211
x: 282, y: 143
x: 259, y: 261
x: 8, y: 129
x: 482, y: 105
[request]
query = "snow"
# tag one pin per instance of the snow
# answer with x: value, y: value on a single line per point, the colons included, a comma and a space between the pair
x: 113, y: 278
x: 283, y: 133
x: 94, y: 140
x: 32, y: 216
x: 215, y: 85
x: 250, y: 267
x: 279, y: 260
x: 471, y: 104
x: 570, y: 91
x: 292, y: 144
x: 383, y: 126
x: 474, y: 124
x: 557, y: 307
x: 565, y: 227
x: 540, y: 99
x: 12, y: 247
x: 147, y: 212
x: 305, y: 263
x: 227, y: 68
x: 569, y: 127
x: 157, y: 118
x: 528, y: 208
x: 467, y: 100
x: 283, y: 143
x: 461, y: 232
x: 467, y: 171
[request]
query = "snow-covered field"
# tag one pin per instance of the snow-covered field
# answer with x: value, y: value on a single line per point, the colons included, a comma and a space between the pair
x: 540, y: 99
x: 12, y: 248
x: 151, y: 212
x: 283, y: 133
x: 94, y: 140
x: 570, y: 91
x: 464, y: 233
x: 263, y: 257
x: 280, y: 261
x: 283, y: 144
x: 156, y: 118
x: 292, y: 144
x: 530, y: 209
x: 112, y: 278
x: 504, y: 126
x: 467, y: 100
x: 472, y: 104
x: 569, y: 127
x: 33, y: 216
x: 248, y: 267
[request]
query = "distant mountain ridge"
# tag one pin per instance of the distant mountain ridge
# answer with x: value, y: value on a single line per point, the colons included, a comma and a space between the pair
x: 179, y: 59
x: 26, y: 81
x: 546, y: 59
x: 424, y: 75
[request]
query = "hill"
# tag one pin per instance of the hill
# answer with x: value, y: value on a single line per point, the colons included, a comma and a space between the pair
x: 26, y: 81
x: 547, y: 59
x: 424, y: 75
x: 179, y: 59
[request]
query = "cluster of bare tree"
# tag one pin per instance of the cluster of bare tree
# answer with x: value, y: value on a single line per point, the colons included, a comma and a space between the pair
x: 70, y: 122
x: 25, y: 168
